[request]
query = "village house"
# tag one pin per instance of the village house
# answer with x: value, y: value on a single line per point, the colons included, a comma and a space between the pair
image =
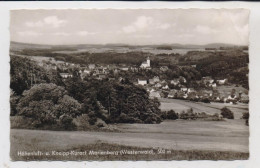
x: 155, y: 94
x: 184, y: 89
x: 124, y: 68
x: 213, y: 85
x: 207, y: 80
x: 164, y: 68
x: 158, y: 85
x: 151, y: 81
x: 172, y: 93
x: 166, y: 87
x: 65, y: 75
x: 91, y: 66
x: 156, y: 79
x: 175, y: 82
x: 222, y: 82
x: 142, y: 82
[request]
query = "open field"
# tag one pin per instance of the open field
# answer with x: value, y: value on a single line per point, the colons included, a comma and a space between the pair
x: 186, y: 139
x: 229, y: 136
x: 210, y: 108
x: 117, y: 154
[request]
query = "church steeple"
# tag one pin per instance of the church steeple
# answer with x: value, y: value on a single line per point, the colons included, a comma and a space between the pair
x: 148, y: 61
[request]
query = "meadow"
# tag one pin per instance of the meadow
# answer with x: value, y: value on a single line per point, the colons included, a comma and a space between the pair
x: 187, y: 140
x: 210, y: 108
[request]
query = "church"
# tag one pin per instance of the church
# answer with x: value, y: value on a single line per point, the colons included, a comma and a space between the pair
x: 146, y: 64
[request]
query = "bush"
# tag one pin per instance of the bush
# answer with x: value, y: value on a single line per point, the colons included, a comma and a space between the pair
x: 82, y: 122
x: 152, y: 119
x: 124, y: 118
x: 246, y: 117
x: 227, y: 113
x: 65, y: 122
x: 172, y: 115
x: 164, y: 115
x: 92, y: 118
x: 205, y: 100
x: 22, y: 122
x: 189, y: 115
x: 100, y: 123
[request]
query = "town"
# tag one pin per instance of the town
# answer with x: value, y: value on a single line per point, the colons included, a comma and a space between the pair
x: 211, y: 90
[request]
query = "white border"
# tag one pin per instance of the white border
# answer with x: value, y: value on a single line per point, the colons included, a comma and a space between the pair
x: 253, y: 162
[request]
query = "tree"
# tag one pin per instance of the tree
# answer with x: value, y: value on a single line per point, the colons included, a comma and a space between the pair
x: 25, y: 73
x: 47, y: 103
x: 246, y: 117
x: 227, y: 113
x: 172, y: 115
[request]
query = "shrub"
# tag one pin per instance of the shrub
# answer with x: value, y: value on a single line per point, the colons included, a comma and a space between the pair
x: 100, y: 123
x: 152, y: 119
x: 164, y: 115
x: 124, y: 118
x: 172, y: 115
x: 189, y: 115
x: 92, y: 118
x: 82, y: 122
x: 22, y: 122
x: 66, y: 121
x: 246, y: 117
x: 227, y: 113
x: 205, y: 100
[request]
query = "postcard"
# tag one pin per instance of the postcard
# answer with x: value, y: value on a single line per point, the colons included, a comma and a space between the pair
x: 129, y: 84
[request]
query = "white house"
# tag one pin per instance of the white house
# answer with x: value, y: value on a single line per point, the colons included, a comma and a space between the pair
x: 175, y: 82
x: 86, y: 71
x: 166, y: 87
x: 65, y: 75
x: 155, y: 94
x: 146, y: 65
x: 158, y: 85
x: 91, y: 66
x: 142, y: 82
x: 156, y: 79
x: 184, y: 89
x: 222, y: 82
x: 213, y: 85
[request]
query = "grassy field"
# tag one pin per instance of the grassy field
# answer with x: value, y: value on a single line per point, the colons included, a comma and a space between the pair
x: 154, y: 154
x: 210, y: 108
x: 187, y: 140
x: 179, y: 136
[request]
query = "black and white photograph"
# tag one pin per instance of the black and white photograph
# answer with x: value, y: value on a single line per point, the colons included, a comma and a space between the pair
x: 129, y: 84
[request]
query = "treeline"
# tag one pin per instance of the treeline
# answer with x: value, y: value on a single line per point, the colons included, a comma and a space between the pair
x: 26, y: 73
x: 128, y: 58
x: 231, y: 64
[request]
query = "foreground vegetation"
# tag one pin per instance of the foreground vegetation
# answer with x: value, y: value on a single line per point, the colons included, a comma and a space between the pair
x: 172, y: 155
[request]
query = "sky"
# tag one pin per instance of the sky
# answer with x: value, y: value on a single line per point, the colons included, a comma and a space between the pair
x: 130, y: 26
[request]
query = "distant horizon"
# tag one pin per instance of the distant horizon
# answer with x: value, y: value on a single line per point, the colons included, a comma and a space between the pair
x: 229, y: 44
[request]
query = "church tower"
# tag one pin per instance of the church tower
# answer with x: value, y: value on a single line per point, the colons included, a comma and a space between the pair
x: 148, y: 62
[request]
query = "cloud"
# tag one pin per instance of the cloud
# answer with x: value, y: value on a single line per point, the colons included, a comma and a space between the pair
x: 85, y: 33
x: 52, y: 21
x: 141, y: 23
x: 164, y: 26
x: 61, y: 34
x: 29, y: 33
x: 205, y: 29
x: 129, y: 29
